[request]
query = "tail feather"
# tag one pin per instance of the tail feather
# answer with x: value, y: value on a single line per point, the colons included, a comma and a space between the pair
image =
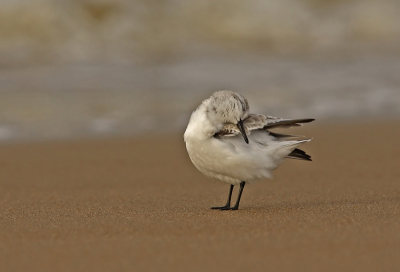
x: 287, y: 147
x: 299, y: 155
x: 281, y: 136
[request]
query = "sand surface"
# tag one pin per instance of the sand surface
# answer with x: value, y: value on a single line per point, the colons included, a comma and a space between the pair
x: 138, y: 204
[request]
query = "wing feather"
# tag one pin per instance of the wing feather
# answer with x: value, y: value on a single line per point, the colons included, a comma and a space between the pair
x: 286, y: 123
x: 228, y: 130
x: 259, y: 121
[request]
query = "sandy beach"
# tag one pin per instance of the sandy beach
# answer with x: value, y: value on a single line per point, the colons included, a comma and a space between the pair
x: 138, y: 204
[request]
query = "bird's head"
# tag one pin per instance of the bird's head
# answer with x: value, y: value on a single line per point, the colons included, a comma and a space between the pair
x: 227, y: 107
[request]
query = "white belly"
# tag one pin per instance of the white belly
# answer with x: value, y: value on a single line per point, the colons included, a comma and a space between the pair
x: 230, y: 163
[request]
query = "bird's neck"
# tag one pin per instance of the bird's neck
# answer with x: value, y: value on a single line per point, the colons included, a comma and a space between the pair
x: 200, y: 127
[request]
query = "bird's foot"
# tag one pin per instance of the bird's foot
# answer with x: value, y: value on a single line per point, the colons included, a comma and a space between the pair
x: 225, y: 208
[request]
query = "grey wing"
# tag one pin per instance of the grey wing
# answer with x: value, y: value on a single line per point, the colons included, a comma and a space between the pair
x: 259, y: 121
x: 252, y: 122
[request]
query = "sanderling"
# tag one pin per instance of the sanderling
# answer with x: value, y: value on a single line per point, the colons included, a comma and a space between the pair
x: 216, y: 148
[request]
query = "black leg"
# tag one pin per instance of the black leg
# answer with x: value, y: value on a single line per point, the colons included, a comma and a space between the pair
x: 228, y: 204
x: 242, y: 184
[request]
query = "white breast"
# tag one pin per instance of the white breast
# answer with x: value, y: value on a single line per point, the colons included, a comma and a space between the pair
x: 231, y: 160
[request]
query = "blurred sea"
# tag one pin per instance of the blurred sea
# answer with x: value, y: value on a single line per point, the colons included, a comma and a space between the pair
x: 106, y: 68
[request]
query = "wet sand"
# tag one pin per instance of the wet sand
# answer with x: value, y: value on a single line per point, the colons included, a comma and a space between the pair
x: 138, y: 204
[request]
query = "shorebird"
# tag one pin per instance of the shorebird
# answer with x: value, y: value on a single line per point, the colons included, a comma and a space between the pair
x: 228, y: 143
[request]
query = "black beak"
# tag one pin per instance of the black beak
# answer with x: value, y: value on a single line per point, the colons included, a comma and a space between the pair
x: 241, y: 128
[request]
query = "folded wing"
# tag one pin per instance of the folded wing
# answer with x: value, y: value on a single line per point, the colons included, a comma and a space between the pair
x: 259, y: 121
